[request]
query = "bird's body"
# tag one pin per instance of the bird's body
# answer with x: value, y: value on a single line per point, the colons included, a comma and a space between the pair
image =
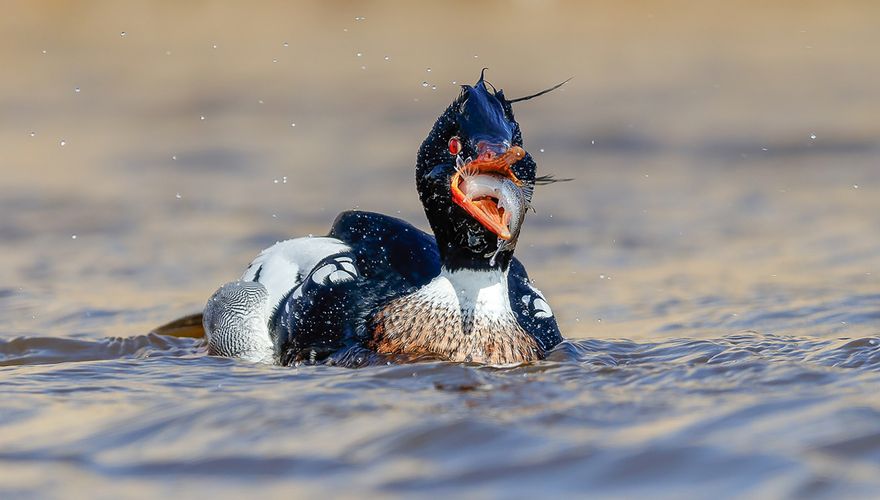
x: 378, y: 283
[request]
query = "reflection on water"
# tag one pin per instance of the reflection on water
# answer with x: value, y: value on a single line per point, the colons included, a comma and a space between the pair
x: 715, y: 262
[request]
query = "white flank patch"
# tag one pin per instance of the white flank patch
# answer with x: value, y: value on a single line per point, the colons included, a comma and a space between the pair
x: 284, y: 264
x: 542, y: 308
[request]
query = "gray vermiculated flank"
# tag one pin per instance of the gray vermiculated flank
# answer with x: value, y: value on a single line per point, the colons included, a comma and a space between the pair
x: 235, y: 321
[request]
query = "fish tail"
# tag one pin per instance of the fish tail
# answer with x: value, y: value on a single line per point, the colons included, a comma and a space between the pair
x: 467, y: 168
x: 459, y: 164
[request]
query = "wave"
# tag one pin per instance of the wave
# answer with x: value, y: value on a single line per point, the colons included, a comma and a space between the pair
x: 739, y: 349
x: 20, y: 351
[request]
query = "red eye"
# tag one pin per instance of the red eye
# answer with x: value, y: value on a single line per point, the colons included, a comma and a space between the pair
x: 455, y: 145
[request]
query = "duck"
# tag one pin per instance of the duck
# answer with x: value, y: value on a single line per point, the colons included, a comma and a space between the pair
x: 380, y: 286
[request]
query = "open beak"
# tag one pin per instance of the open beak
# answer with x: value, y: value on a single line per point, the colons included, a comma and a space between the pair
x: 491, y: 160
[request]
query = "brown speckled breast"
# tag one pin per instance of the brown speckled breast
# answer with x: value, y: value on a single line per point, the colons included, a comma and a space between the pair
x: 415, y: 325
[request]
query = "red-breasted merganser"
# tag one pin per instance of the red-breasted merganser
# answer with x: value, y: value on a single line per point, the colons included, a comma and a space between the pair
x: 377, y: 284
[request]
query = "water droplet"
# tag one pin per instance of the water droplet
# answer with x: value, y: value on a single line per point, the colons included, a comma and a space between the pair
x: 32, y: 134
x: 174, y: 157
x: 284, y: 180
x: 855, y: 186
x: 73, y: 236
x: 476, y: 56
x: 541, y: 150
x: 345, y: 30
x: 433, y: 87
x: 428, y: 70
x: 274, y: 216
x: 454, y: 82
x: 259, y: 101
x: 63, y: 142
x: 214, y: 46
x: 275, y: 181
x: 387, y: 58
x: 76, y: 90
x: 274, y: 61
x: 293, y: 124
x: 202, y: 117
x: 360, y: 54
x: 285, y: 44
x: 123, y: 34
x: 44, y: 51
x: 812, y: 136
x: 424, y: 84
x: 167, y: 52
x: 360, y: 18
x: 363, y: 67
x: 178, y: 196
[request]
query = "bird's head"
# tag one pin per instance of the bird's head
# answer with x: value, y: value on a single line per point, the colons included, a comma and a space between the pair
x: 477, y: 135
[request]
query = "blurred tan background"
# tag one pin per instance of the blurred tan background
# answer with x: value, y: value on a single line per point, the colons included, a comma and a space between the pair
x: 722, y: 151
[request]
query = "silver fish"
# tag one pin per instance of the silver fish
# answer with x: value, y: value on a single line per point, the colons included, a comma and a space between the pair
x: 515, y: 202
x: 513, y: 199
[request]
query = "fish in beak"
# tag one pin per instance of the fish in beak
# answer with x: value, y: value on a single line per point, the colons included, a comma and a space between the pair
x: 478, y: 184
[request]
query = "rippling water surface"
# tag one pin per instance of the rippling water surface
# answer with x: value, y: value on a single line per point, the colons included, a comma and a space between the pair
x: 715, y: 263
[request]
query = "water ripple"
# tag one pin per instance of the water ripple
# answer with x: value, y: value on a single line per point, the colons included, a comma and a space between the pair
x: 47, y: 350
x: 614, y: 416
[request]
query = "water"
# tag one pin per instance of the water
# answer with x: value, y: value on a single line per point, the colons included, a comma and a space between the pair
x: 747, y: 414
x: 714, y: 265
